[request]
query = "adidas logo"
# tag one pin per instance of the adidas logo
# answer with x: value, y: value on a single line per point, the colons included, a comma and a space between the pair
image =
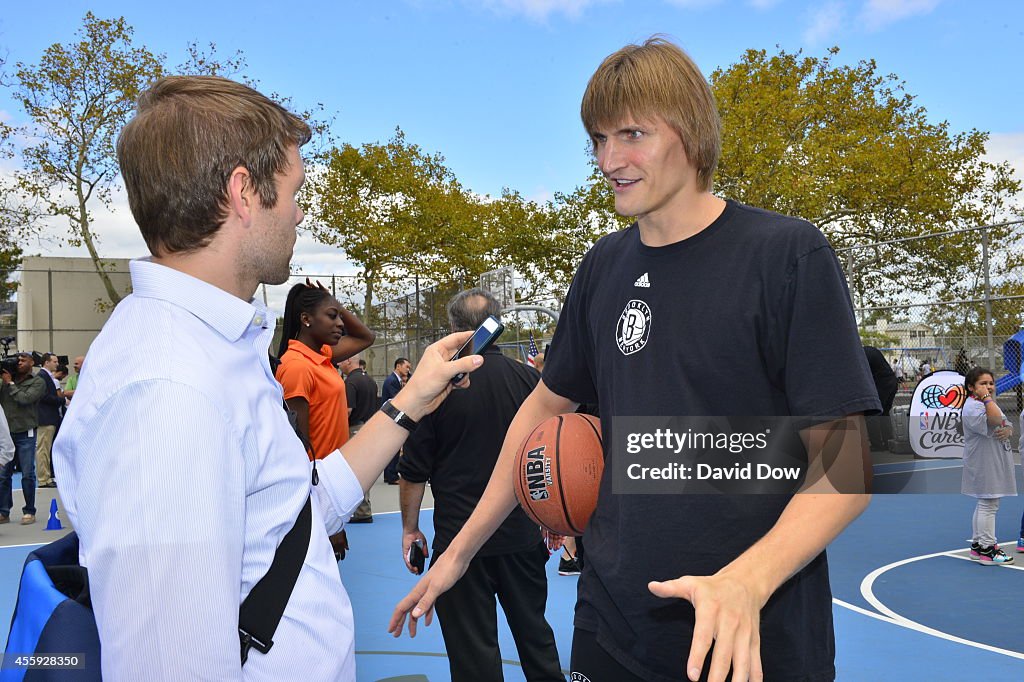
x: 643, y: 282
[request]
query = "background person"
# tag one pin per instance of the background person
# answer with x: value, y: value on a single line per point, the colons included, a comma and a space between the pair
x: 361, y: 393
x: 19, y: 397
x: 392, y: 385
x: 455, y: 448
x: 49, y: 416
x: 312, y: 339
x: 72, y: 382
x: 988, y: 471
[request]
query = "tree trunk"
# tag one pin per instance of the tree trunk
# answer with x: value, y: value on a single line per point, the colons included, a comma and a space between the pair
x: 83, y: 226
x: 368, y: 302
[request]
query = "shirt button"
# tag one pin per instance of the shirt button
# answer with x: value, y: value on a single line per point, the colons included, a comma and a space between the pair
x: 257, y: 321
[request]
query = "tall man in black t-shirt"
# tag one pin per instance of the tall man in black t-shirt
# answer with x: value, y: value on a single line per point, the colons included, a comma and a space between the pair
x: 706, y: 308
x: 455, y: 448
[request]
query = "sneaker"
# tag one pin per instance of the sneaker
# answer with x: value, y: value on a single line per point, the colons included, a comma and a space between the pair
x: 28, y: 519
x: 568, y: 566
x: 975, y: 551
x: 1020, y: 544
x: 993, y: 556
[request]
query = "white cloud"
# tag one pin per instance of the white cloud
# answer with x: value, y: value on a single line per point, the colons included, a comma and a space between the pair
x: 1007, y: 147
x: 877, y: 14
x: 763, y: 4
x: 540, y: 10
x: 824, y: 23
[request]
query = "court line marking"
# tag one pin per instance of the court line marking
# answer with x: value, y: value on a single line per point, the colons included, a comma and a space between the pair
x: 914, y: 471
x: 866, y: 591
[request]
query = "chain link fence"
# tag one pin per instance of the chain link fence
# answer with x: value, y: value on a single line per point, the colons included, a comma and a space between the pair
x: 945, y: 301
x: 949, y: 300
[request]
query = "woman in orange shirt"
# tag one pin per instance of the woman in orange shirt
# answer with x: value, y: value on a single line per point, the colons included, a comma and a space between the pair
x: 318, y: 332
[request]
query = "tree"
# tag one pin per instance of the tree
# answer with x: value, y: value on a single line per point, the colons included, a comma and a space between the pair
x: 78, y: 98
x: 849, y: 150
x: 397, y: 212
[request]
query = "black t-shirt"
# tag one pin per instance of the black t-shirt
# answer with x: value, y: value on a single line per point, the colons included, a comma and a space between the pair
x: 457, y: 446
x: 361, y: 392
x: 751, y: 316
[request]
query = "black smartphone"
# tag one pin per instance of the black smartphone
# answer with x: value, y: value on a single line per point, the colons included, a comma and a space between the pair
x: 484, y: 336
x: 416, y: 556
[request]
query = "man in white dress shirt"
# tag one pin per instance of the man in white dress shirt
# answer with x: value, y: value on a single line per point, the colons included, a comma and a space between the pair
x: 178, y: 466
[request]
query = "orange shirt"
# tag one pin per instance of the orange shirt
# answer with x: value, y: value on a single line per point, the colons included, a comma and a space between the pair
x: 304, y: 373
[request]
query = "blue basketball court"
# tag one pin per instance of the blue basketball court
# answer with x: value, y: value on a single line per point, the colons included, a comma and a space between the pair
x: 908, y: 602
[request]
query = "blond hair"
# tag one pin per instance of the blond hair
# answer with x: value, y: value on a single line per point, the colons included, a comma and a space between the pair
x: 657, y: 79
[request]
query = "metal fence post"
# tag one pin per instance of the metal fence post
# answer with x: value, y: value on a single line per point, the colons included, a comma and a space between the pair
x: 49, y: 302
x: 988, y: 302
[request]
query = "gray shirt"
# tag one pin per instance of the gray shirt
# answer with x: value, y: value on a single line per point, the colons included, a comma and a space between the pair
x: 988, y: 461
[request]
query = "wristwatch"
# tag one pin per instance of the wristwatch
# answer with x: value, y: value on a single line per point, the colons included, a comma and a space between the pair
x: 399, y: 417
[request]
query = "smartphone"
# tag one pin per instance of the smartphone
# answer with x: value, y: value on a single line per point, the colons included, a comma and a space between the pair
x: 484, y: 336
x: 416, y: 556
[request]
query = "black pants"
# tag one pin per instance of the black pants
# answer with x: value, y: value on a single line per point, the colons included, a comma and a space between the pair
x: 469, y: 619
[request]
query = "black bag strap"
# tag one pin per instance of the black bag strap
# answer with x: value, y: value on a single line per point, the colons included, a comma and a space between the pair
x: 262, y: 609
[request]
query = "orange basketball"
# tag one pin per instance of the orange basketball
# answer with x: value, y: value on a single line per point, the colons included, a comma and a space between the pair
x: 558, y: 472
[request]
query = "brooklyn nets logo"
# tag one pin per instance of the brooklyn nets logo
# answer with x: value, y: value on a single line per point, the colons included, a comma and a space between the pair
x: 634, y: 327
x: 579, y: 677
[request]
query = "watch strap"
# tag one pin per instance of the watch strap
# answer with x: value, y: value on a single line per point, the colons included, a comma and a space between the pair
x: 399, y: 417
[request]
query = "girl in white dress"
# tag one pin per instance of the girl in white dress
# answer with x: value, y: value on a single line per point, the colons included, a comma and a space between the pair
x: 988, y: 473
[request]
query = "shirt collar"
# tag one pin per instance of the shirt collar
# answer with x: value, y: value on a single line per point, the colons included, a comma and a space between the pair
x: 227, y: 314
x: 322, y: 358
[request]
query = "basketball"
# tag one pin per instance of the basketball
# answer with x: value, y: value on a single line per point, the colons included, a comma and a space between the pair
x: 558, y: 472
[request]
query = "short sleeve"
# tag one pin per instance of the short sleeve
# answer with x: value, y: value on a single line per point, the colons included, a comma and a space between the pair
x: 297, y: 378
x: 567, y: 370
x: 974, y: 417
x: 417, y: 461
x: 814, y: 345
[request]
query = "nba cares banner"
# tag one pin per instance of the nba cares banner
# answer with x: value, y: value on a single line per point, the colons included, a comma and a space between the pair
x: 935, y: 415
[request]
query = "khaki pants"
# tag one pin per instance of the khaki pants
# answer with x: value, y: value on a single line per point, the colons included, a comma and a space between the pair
x: 44, y: 443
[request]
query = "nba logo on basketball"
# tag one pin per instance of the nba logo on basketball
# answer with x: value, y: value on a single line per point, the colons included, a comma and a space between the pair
x: 538, y: 474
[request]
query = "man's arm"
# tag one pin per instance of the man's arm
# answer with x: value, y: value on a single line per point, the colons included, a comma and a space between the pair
x: 357, y: 337
x: 362, y: 459
x: 410, y: 499
x: 28, y: 392
x: 728, y: 604
x: 497, y: 503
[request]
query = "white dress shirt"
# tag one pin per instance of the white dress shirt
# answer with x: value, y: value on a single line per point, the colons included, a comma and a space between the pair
x: 7, y: 448
x: 181, y: 473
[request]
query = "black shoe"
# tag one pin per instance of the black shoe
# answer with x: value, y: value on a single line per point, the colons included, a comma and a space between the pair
x: 568, y: 566
x: 361, y: 519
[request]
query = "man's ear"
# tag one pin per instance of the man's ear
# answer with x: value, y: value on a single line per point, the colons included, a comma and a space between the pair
x: 241, y: 195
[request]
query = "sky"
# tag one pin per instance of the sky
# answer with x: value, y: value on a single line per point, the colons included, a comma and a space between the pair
x: 495, y: 85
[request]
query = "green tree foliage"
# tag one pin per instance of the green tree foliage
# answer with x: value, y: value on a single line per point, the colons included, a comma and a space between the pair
x: 397, y: 211
x: 78, y: 97
x: 851, y: 151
